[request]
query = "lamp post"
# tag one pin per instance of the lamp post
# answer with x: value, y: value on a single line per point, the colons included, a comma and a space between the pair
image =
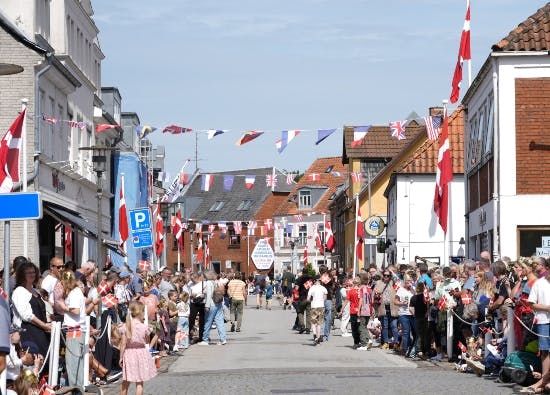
x: 99, y: 165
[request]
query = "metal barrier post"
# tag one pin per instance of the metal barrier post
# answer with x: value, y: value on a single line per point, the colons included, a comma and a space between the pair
x: 511, y: 331
x: 53, y: 378
x: 449, y: 334
x: 86, y: 373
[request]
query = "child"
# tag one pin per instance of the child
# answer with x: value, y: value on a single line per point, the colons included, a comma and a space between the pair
x: 344, y: 313
x: 352, y: 297
x: 135, y: 361
x: 163, y: 327
x: 268, y: 294
x: 47, y: 304
x: 182, y: 331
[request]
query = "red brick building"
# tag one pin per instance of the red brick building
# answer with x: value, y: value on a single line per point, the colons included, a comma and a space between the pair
x: 216, y: 215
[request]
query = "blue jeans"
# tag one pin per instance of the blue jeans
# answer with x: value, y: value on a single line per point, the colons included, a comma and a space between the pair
x: 215, y: 314
x: 389, y: 323
x: 407, y: 325
x: 183, y: 326
x: 328, y: 319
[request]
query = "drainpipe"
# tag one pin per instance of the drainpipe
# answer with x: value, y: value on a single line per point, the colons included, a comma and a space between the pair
x: 496, y: 170
x: 37, y: 109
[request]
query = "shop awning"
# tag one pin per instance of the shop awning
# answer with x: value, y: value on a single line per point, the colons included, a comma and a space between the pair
x: 82, y: 224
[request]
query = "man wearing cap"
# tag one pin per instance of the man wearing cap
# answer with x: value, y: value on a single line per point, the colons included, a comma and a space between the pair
x: 136, y: 283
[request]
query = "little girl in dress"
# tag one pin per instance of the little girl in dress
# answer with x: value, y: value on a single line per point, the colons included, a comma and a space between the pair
x: 135, y: 359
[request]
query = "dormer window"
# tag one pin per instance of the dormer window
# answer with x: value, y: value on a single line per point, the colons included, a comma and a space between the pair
x: 304, y: 201
x: 217, y: 206
x: 245, y: 205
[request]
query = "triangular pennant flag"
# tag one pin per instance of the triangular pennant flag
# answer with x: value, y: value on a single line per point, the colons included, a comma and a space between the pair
x: 206, y: 182
x: 228, y: 182
x: 102, y: 127
x: 248, y: 136
x: 143, y: 130
x: 286, y: 137
x: 359, y: 133
x: 323, y: 134
x: 213, y: 133
x: 249, y: 181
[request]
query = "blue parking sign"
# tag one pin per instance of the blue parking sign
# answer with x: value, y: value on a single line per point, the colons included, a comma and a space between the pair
x: 140, y: 219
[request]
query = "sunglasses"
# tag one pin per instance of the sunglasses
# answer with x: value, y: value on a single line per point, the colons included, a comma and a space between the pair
x: 387, y: 275
x: 57, y: 266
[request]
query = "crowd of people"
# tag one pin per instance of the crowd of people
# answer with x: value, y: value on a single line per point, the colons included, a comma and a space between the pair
x: 403, y: 309
x: 150, y: 315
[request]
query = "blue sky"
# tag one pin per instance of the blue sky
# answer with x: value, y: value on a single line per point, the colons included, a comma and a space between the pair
x: 276, y: 65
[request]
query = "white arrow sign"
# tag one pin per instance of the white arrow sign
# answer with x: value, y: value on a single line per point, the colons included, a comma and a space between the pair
x: 263, y: 255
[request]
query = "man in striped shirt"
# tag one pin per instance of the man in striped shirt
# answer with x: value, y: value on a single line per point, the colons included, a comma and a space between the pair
x: 236, y: 290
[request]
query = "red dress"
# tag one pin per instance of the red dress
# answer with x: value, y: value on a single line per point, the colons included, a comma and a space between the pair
x: 137, y: 362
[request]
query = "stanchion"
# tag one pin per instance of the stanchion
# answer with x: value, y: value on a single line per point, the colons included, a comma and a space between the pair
x: 449, y: 334
x: 488, y: 338
x: 3, y: 382
x: 53, y: 378
x: 86, y: 350
x: 511, y: 345
x: 146, y: 317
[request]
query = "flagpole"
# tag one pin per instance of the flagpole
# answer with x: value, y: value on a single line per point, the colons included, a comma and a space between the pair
x: 273, y: 179
x: 469, y: 60
x: 124, y: 248
x: 446, y: 246
x: 177, y: 242
x: 325, y: 240
x: 355, y: 235
x: 24, y: 102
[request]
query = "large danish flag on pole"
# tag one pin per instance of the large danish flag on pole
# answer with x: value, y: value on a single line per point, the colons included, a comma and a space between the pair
x: 9, y: 154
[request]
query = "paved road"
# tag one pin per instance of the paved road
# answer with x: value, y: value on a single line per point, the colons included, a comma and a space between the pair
x: 267, y: 357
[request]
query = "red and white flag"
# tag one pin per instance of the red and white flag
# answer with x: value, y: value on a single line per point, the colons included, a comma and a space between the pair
x: 144, y: 265
x: 360, y: 236
x: 268, y: 223
x: 177, y: 230
x: 356, y: 177
x: 68, y: 241
x: 464, y: 53
x: 159, y: 231
x: 329, y: 237
x: 443, y: 176
x: 249, y: 181
x: 237, y: 227
x: 109, y: 300
x: 9, y: 154
x: 314, y: 177
x: 103, y: 288
x: 105, y: 126
x: 318, y: 241
x: 122, y: 217
x: 305, y: 256
x: 359, y: 133
x: 298, y: 218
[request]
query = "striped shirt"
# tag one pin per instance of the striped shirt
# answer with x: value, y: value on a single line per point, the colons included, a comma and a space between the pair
x: 236, y: 289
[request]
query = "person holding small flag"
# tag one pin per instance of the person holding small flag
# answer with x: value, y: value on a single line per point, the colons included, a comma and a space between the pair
x: 74, y: 320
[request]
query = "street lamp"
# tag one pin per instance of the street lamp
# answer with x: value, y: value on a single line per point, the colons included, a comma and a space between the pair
x: 99, y: 166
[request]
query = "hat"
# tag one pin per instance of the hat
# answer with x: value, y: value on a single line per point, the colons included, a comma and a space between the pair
x: 14, y: 328
x: 115, y: 269
x: 124, y: 275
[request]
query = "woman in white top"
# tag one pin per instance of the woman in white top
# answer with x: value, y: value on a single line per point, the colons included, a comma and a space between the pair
x: 30, y: 311
x: 406, y: 319
x: 74, y: 320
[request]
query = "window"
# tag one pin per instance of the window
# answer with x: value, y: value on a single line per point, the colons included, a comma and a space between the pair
x: 302, y: 235
x: 245, y: 205
x: 304, y: 199
x: 234, y: 239
x: 217, y: 206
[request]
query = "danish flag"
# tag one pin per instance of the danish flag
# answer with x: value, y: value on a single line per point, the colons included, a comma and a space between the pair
x: 466, y: 299
x: 9, y: 154
x: 177, y: 230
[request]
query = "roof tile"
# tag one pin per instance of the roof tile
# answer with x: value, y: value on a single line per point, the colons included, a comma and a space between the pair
x: 533, y: 34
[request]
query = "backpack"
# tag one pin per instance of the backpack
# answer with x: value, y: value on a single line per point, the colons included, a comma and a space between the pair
x: 366, y: 307
x: 217, y: 295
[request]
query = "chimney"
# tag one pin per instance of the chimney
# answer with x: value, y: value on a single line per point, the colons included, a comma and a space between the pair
x: 433, y: 111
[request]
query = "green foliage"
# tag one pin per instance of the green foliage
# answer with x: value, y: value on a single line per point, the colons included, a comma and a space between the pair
x: 310, y: 270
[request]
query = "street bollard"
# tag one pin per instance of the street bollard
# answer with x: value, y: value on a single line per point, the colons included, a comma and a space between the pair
x: 511, y: 335
x: 86, y: 374
x: 450, y: 334
x: 53, y: 378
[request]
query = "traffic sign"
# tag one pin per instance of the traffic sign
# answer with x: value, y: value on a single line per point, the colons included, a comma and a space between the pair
x: 140, y: 227
x: 19, y: 206
x: 142, y: 239
x: 263, y: 255
x: 140, y: 218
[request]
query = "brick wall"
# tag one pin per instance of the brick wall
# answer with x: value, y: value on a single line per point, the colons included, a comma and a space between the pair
x: 532, y: 125
x: 12, y: 89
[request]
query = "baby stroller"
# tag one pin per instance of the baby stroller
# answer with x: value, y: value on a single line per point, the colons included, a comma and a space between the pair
x: 519, y: 367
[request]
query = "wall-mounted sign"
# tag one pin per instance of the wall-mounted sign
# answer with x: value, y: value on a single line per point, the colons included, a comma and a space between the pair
x: 374, y: 225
